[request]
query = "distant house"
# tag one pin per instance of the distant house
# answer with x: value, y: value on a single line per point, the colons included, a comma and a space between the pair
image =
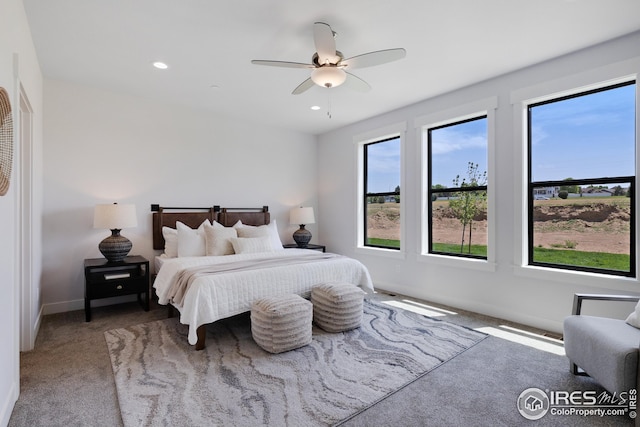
x: 543, y: 193
x: 596, y: 192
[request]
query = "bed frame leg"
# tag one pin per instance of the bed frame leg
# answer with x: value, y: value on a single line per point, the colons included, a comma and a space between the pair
x: 201, y: 332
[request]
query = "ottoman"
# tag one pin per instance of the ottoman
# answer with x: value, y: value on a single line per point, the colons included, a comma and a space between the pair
x: 337, y: 307
x: 281, y: 323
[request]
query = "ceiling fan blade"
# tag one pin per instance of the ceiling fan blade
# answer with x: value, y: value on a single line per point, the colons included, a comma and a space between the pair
x: 374, y: 58
x: 325, y: 43
x: 303, y: 87
x: 284, y: 64
x: 356, y: 83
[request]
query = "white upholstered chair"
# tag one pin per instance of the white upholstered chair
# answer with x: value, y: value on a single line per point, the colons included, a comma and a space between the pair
x: 603, y: 348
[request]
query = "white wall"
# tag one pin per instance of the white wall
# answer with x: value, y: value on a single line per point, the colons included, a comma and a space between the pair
x: 18, y: 62
x: 535, y: 298
x: 105, y: 147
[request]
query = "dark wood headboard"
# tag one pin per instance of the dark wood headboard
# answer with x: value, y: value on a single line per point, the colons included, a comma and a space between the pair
x: 193, y: 217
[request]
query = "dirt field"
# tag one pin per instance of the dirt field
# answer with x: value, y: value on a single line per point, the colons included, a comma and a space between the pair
x: 592, y: 225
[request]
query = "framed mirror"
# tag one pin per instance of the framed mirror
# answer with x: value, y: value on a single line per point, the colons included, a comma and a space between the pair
x: 6, y: 141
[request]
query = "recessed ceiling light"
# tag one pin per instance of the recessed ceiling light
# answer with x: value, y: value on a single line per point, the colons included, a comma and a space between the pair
x: 315, y: 107
x: 160, y: 65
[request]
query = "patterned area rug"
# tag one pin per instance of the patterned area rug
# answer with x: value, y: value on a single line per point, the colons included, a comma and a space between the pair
x: 162, y: 380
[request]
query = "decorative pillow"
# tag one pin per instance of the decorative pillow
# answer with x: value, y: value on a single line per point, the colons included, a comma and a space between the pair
x: 634, y: 317
x: 270, y: 230
x: 251, y: 245
x: 170, y: 241
x: 217, y: 239
x: 191, y: 242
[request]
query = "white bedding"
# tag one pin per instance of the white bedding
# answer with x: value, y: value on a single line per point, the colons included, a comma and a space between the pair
x: 158, y: 261
x: 226, y: 294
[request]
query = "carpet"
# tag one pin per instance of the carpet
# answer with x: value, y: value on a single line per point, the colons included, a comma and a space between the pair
x: 162, y: 380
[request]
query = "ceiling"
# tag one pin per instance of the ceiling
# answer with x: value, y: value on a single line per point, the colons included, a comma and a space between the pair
x: 208, y: 45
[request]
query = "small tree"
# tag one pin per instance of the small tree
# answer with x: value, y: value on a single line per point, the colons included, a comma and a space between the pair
x: 563, y: 194
x: 569, y: 188
x: 397, y: 196
x: 618, y: 191
x: 440, y: 187
x: 466, y: 204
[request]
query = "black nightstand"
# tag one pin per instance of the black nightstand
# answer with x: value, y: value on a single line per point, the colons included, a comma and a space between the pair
x: 309, y: 246
x: 105, y: 279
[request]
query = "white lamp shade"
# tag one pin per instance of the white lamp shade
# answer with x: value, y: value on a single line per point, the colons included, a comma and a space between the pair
x: 115, y: 216
x: 301, y: 216
x: 328, y: 76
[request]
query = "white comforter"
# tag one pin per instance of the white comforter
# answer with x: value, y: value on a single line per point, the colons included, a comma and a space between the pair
x: 226, y: 294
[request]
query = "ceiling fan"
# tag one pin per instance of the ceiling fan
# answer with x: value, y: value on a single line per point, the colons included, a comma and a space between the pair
x: 329, y: 68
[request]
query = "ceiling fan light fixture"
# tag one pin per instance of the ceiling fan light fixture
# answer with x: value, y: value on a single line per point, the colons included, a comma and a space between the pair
x: 160, y: 65
x: 328, y: 76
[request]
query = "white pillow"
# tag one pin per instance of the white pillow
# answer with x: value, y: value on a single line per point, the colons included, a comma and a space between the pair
x: 251, y: 245
x: 634, y: 317
x: 270, y: 230
x: 170, y: 241
x: 191, y: 242
x: 217, y: 239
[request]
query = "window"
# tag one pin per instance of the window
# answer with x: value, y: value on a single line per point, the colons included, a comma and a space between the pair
x: 457, y: 189
x: 581, y: 177
x: 382, y: 193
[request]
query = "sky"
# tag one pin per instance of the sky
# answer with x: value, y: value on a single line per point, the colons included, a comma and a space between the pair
x: 383, y: 166
x: 590, y: 136
x: 454, y: 147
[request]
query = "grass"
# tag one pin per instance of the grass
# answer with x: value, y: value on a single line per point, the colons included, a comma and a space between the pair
x: 569, y: 244
x: 603, y: 260
x: 386, y: 243
x: 479, y: 250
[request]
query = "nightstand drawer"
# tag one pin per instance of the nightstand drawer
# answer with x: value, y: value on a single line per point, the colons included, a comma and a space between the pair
x: 114, y: 288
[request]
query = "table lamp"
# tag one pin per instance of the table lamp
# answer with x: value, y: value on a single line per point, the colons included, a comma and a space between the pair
x: 115, y: 217
x: 302, y: 216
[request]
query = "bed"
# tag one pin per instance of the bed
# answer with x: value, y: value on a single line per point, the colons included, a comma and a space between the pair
x: 232, y: 272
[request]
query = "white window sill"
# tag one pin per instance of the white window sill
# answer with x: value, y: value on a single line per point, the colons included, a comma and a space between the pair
x: 387, y: 253
x: 605, y: 281
x: 458, y: 262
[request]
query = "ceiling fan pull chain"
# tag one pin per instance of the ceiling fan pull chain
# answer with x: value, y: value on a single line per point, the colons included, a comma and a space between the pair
x: 329, y: 108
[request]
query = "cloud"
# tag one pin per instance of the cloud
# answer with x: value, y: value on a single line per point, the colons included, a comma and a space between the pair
x: 449, y: 140
x: 384, y: 157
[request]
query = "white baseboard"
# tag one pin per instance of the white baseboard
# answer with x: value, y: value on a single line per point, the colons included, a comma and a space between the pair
x: 78, y: 304
x: 8, y: 404
x: 36, y: 327
x: 480, y: 308
x: 62, y: 307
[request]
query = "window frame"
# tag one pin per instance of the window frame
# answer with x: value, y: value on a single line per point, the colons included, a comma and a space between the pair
x: 531, y: 185
x: 366, y: 194
x: 386, y: 132
x: 430, y: 190
x: 482, y: 107
x: 519, y: 98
